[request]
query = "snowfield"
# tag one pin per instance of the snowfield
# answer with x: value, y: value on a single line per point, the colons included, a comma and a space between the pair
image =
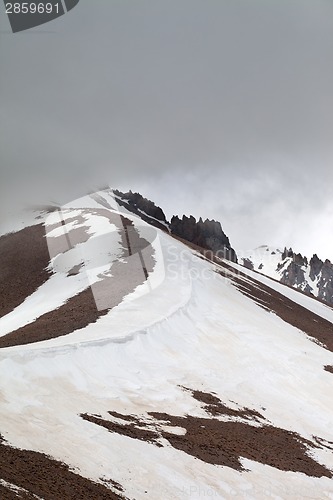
x: 185, y: 326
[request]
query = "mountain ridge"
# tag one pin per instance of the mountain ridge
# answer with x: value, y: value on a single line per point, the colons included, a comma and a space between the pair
x: 162, y: 369
x: 312, y: 276
x: 207, y: 234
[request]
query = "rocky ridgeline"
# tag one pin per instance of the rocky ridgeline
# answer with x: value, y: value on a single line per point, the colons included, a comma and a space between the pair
x: 207, y: 234
x: 143, y: 208
x: 293, y: 274
x: 314, y: 276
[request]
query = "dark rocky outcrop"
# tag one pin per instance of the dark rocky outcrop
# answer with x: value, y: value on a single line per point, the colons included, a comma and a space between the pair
x: 316, y: 265
x: 287, y: 253
x: 319, y: 271
x: 142, y: 207
x: 313, y: 276
x: 297, y: 257
x: 139, y: 202
x: 207, y: 234
x: 294, y: 274
x: 325, y: 283
x: 248, y: 264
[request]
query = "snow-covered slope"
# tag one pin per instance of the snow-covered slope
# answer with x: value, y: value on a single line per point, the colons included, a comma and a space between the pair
x: 312, y: 276
x: 177, y: 377
x: 264, y: 259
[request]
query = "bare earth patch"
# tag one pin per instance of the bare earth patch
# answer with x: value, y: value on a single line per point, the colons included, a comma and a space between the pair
x: 318, y: 328
x: 221, y: 442
x: 24, y: 257
x: 132, y: 427
x: 8, y: 493
x: 89, y: 305
x: 68, y: 240
x: 47, y: 478
x: 77, y: 313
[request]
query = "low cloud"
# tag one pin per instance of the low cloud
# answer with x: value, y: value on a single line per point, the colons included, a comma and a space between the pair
x: 220, y: 109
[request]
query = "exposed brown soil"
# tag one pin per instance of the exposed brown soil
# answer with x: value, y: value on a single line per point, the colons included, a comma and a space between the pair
x: 8, y: 494
x: 135, y: 429
x: 328, y: 368
x: 77, y: 313
x: 318, y: 328
x: 24, y: 257
x: 129, y: 418
x: 63, y: 242
x: 215, y: 407
x: 49, y: 479
x: 208, y: 439
x: 209, y: 255
x: 224, y: 442
x: 94, y: 302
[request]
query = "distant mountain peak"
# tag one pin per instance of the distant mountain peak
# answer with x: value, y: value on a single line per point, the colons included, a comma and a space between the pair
x: 312, y: 276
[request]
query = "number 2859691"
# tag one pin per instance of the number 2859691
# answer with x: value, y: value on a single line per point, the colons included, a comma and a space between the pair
x: 32, y: 8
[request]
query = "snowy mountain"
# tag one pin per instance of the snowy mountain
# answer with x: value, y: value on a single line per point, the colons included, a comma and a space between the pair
x: 136, y: 365
x: 312, y: 276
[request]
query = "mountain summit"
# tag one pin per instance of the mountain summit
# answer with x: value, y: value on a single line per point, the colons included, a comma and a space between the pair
x: 136, y: 364
x: 207, y: 234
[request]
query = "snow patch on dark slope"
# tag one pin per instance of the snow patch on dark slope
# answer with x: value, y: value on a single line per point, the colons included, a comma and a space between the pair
x: 204, y: 377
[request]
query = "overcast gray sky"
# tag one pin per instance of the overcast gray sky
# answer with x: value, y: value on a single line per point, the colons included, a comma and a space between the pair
x: 219, y: 108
